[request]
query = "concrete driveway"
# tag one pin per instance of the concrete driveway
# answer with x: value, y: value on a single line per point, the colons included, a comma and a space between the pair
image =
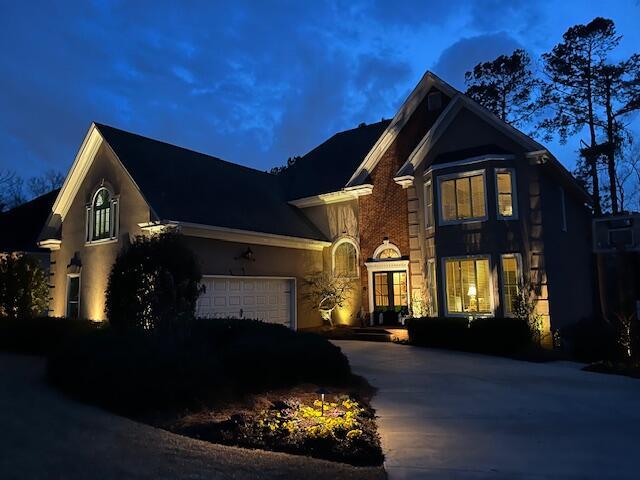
x: 44, y: 435
x: 450, y: 415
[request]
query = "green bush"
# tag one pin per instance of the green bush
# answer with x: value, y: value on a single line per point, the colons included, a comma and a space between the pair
x: 590, y: 340
x: 135, y: 372
x: 499, y: 336
x: 41, y: 335
x: 439, y: 332
x: 154, y: 283
x: 24, y: 291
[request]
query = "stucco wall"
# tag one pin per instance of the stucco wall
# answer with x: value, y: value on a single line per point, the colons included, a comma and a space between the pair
x: 96, y: 260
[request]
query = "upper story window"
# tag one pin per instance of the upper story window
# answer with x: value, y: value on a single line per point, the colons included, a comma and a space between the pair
x: 345, y: 258
x: 102, y: 216
x: 428, y: 204
x: 506, y: 193
x: 462, y: 197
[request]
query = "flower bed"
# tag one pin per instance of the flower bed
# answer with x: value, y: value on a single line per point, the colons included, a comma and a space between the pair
x: 344, y: 430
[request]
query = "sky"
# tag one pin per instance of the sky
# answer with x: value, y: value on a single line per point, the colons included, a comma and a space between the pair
x: 253, y: 82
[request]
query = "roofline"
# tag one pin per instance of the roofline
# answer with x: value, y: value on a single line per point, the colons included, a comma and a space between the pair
x: 236, y: 235
x: 426, y: 83
x: 344, y: 195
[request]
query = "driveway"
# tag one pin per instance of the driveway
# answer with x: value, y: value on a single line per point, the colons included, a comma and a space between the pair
x: 44, y: 435
x: 450, y: 415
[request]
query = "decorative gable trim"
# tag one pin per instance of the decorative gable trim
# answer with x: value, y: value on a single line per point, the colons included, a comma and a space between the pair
x: 428, y: 81
x: 343, y: 195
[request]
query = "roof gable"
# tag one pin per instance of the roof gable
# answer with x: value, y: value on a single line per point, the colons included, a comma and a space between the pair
x: 20, y: 226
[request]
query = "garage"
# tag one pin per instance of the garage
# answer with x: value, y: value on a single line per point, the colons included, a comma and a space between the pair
x: 263, y: 298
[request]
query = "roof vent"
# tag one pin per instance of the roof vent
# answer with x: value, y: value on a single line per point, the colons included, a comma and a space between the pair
x: 434, y: 101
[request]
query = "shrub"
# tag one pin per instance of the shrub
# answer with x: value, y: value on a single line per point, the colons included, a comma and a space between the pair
x: 590, y: 340
x: 24, y: 291
x: 153, y: 284
x: 136, y: 371
x: 500, y: 336
x: 40, y: 335
x: 439, y: 332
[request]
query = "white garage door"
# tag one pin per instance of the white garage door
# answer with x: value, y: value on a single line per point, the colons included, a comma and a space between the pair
x: 267, y: 299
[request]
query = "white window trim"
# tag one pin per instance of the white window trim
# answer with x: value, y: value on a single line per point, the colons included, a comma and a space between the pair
x: 444, y: 287
x: 429, y: 183
x: 384, y: 246
x: 115, y: 218
x: 518, y: 258
x: 66, y: 297
x: 434, y: 303
x: 514, y: 193
x: 336, y: 244
x: 451, y: 176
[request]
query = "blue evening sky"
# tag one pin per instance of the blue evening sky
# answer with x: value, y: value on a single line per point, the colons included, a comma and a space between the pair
x: 252, y: 82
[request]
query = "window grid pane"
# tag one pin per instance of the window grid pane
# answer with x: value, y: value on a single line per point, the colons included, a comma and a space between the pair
x: 448, y: 201
x: 399, y: 289
x: 381, y: 290
x: 504, y: 182
x: 432, y: 287
x: 510, y: 282
x: 345, y: 259
x: 468, y: 286
x: 463, y: 198
x: 428, y: 194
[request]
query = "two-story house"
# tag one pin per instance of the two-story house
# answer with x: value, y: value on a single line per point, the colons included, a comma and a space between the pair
x: 444, y: 210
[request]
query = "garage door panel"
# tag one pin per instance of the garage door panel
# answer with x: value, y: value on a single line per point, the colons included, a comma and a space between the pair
x: 266, y: 299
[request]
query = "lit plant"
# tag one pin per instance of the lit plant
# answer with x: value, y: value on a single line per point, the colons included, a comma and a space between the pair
x: 328, y: 292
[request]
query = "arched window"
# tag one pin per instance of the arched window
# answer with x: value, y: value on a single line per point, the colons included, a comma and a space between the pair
x: 102, y: 216
x: 345, y: 258
x: 386, y: 251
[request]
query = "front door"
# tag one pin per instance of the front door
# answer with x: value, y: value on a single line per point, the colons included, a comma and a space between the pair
x: 390, y: 294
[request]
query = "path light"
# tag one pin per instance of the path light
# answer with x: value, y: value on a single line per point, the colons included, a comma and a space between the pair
x: 322, y: 392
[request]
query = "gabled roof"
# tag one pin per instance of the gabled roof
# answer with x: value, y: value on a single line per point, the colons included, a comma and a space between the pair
x: 20, y: 226
x: 186, y: 186
x: 328, y: 167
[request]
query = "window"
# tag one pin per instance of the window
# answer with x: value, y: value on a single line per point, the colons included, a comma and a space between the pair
x: 73, y: 296
x: 462, y: 198
x: 506, y: 193
x: 345, y: 258
x: 390, y: 289
x: 511, y: 278
x: 428, y: 204
x: 386, y: 251
x: 431, y: 287
x: 102, y: 216
x: 468, y: 286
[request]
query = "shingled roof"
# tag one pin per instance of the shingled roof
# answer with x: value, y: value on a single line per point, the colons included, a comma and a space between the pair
x: 328, y: 167
x: 20, y: 226
x: 187, y: 186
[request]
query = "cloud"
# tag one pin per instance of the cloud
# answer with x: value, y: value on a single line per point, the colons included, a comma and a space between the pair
x: 464, y: 54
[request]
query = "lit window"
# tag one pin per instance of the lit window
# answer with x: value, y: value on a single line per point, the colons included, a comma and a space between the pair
x: 431, y: 287
x: 388, y: 253
x: 462, y: 198
x: 345, y: 259
x: 505, y: 188
x: 390, y: 289
x: 468, y: 285
x: 102, y: 215
x: 428, y: 204
x: 511, y: 276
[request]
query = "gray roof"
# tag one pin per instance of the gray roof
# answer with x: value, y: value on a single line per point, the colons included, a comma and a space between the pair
x: 187, y: 186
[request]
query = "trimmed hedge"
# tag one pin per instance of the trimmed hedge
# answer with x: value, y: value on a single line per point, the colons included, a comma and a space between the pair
x: 498, y: 336
x: 40, y: 335
x: 210, y: 361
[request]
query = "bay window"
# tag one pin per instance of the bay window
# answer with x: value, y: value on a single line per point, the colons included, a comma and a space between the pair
x: 462, y: 197
x: 468, y: 285
x: 511, y: 280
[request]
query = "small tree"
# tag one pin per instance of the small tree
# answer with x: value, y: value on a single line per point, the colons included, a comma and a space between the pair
x: 153, y: 284
x: 23, y: 287
x: 327, y: 292
x: 524, y: 308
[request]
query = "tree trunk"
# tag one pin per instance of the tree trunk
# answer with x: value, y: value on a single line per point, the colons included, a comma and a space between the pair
x: 611, y: 161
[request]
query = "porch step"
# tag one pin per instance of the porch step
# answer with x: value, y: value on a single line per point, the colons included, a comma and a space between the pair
x: 373, y: 336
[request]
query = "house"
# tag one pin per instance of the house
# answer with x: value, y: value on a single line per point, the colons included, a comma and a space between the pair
x: 20, y: 228
x: 443, y: 210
